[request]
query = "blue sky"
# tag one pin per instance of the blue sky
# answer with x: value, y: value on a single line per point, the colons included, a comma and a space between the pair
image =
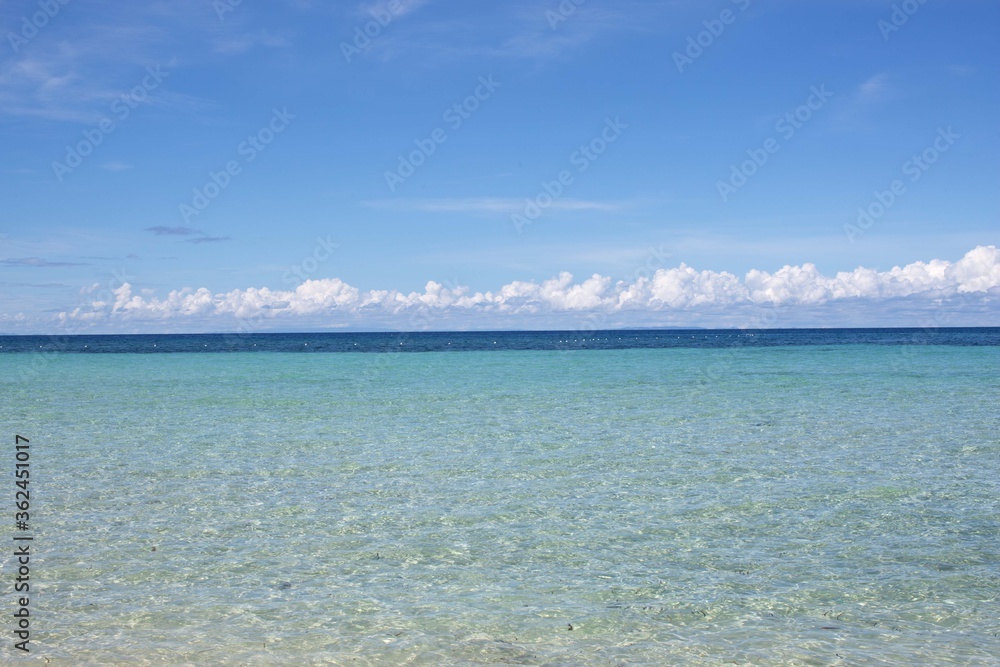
x: 219, y: 166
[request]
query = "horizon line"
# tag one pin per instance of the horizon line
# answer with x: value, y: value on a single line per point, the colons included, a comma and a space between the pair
x: 492, y: 331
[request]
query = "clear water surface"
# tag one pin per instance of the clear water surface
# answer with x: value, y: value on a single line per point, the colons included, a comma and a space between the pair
x: 802, y: 503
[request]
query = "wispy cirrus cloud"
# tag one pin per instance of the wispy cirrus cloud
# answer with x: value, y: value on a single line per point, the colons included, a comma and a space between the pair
x: 873, y: 90
x: 37, y: 262
x: 864, y: 98
x: 208, y: 239
x: 70, y: 74
x: 199, y: 236
x: 40, y: 285
x: 487, y: 205
x: 241, y: 43
x: 161, y: 230
x: 523, y: 30
x: 402, y: 7
x: 547, y: 31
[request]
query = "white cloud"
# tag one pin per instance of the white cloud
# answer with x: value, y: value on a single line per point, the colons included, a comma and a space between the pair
x: 979, y: 270
x: 675, y: 290
x: 684, y: 287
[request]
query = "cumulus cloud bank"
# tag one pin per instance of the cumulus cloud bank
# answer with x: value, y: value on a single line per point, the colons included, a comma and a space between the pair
x: 683, y: 289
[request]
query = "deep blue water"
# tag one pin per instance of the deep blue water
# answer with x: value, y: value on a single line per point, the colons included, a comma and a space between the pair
x: 496, y: 340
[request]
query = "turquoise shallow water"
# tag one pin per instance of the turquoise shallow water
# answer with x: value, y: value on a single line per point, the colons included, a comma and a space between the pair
x: 824, y: 505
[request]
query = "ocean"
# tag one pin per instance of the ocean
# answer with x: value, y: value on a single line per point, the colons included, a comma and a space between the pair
x: 671, y: 497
